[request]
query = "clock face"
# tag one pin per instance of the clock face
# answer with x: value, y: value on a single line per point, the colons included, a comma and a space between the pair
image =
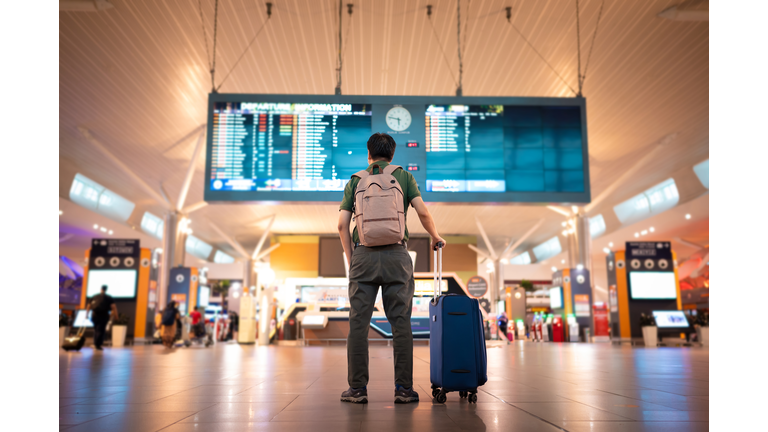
x: 398, y: 119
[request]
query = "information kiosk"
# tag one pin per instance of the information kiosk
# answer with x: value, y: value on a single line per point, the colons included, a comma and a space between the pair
x: 642, y: 279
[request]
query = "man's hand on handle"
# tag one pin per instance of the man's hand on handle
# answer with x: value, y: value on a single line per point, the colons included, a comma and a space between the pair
x: 438, y: 242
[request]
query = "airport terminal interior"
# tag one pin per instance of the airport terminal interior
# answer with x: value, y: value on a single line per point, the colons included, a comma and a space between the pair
x: 561, y: 149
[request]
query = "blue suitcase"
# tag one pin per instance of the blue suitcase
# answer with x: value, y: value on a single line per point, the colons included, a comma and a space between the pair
x: 457, y: 354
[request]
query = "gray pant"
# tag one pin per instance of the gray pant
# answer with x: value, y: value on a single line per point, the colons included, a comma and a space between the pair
x: 391, y: 268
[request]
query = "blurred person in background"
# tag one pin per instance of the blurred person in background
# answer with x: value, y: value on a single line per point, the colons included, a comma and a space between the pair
x: 170, y: 316
x: 101, y: 305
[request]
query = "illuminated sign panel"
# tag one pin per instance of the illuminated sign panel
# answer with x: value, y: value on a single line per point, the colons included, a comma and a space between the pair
x: 305, y: 148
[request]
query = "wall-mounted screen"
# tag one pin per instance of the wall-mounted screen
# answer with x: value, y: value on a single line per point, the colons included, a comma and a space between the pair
x: 556, y: 298
x: 82, y: 320
x: 652, y: 285
x: 120, y: 283
x: 304, y: 148
x: 670, y: 319
x: 205, y: 295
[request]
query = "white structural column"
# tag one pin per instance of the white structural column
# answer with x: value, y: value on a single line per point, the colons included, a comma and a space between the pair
x: 174, y: 252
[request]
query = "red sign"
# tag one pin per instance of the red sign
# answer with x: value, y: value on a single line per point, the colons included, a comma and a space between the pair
x: 600, y: 312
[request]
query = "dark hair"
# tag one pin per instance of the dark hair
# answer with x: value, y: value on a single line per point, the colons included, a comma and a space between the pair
x: 381, y: 146
x: 103, y: 287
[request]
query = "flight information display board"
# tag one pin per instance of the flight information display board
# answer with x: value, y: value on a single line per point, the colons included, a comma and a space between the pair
x: 305, y: 148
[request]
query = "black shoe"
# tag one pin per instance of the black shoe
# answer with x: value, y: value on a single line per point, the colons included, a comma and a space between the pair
x: 355, y: 395
x: 98, y: 348
x: 404, y: 395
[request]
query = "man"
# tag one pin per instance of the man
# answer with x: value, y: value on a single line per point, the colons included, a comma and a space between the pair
x: 388, y: 266
x: 101, y: 304
x: 194, y: 330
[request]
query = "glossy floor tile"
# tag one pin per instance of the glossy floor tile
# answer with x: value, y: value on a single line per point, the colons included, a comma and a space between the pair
x: 531, y: 387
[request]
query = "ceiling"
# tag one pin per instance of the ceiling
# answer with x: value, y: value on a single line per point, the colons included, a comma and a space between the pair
x: 137, y: 77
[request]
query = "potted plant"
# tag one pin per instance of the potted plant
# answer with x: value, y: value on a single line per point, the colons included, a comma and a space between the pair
x: 63, y: 327
x: 702, y: 328
x: 119, y: 330
x: 650, y: 331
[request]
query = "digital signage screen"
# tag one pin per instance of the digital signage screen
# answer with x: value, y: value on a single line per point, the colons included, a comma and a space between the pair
x: 305, y: 148
x: 556, y: 298
x: 670, y: 319
x: 652, y: 285
x: 120, y: 283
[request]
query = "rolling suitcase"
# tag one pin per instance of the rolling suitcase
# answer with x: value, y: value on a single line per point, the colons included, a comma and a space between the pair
x: 457, y: 357
x: 75, y: 342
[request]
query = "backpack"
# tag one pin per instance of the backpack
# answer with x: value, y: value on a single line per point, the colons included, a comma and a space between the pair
x: 379, y: 212
x: 169, y: 317
x: 99, y: 305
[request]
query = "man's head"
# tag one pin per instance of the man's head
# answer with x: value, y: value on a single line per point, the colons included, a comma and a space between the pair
x: 381, y: 147
x: 103, y: 289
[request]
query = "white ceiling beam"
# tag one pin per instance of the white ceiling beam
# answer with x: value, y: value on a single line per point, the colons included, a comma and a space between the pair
x: 138, y: 180
x: 479, y: 252
x: 165, y: 195
x: 485, y: 239
x: 520, y: 241
x: 559, y: 210
x: 194, y: 207
x: 232, y: 242
x: 266, y: 251
x: 629, y: 173
x: 263, y: 237
x: 190, y: 172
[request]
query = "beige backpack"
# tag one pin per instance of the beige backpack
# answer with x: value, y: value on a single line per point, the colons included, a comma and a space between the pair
x: 379, y: 211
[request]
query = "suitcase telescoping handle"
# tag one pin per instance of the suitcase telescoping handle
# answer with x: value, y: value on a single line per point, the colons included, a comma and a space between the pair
x: 438, y: 274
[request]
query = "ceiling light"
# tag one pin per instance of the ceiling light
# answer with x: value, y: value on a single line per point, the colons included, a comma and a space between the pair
x: 688, y: 216
x: 505, y: 261
x: 637, y: 235
x: 95, y: 226
x: 565, y: 223
x: 554, y: 269
x: 579, y: 267
x: 562, y: 261
x: 61, y: 212
x: 651, y: 229
x: 606, y: 250
x: 610, y: 244
x: 570, y: 222
x: 575, y: 209
x: 565, y: 232
x: 110, y: 232
x: 643, y: 232
x: 103, y: 229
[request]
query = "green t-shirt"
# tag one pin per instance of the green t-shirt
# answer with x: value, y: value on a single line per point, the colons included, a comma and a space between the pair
x: 407, y: 184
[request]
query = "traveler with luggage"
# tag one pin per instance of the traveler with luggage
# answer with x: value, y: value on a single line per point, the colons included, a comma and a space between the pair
x: 101, y: 305
x: 378, y: 198
x: 170, y: 316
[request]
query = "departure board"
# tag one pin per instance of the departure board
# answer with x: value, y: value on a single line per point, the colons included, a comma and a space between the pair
x: 305, y: 148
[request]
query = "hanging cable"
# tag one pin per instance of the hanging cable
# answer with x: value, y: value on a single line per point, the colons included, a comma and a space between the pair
x: 346, y: 36
x: 592, y: 45
x: 578, y: 47
x: 215, y: 30
x: 269, y: 15
x: 445, y: 57
x: 459, y: 90
x: 338, y: 69
x: 205, y: 35
x: 537, y: 52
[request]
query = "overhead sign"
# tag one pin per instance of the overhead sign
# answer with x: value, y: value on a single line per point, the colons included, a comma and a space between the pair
x: 477, y: 286
x: 304, y: 148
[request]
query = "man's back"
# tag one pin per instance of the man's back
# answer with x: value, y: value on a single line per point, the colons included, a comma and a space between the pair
x: 101, y: 304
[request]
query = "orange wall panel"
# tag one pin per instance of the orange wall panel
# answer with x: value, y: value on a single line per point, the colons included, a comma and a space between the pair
x: 295, y: 257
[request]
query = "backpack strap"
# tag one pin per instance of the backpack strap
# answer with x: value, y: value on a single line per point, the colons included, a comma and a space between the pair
x: 391, y: 168
x: 361, y: 174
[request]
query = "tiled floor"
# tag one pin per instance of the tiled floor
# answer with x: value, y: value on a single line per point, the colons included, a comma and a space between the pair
x: 531, y: 387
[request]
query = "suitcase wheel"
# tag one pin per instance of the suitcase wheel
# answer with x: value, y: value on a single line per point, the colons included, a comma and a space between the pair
x: 462, y: 394
x: 435, y: 392
x: 473, y: 398
x: 441, y: 397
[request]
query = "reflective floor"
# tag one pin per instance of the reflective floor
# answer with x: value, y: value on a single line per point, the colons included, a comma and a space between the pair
x: 531, y: 387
